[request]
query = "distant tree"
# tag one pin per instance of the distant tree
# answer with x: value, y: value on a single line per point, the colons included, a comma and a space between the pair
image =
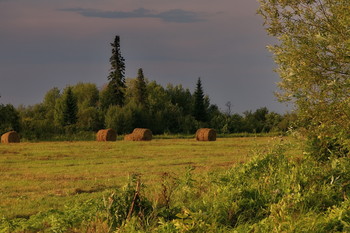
x: 37, y: 121
x: 255, y: 122
x: 228, y: 108
x: 51, y: 97
x: 272, y: 122
x: 105, y: 98
x: 115, y: 94
x: 49, y: 103
x: 9, y: 118
x: 87, y: 96
x: 199, y: 107
x: 140, y: 89
x: 180, y: 97
x: 89, y: 119
x: 125, y: 119
x: 66, y: 108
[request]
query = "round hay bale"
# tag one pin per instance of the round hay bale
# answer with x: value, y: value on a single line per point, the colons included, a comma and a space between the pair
x: 10, y: 137
x: 105, y: 135
x: 140, y: 134
x: 206, y: 134
x: 129, y: 137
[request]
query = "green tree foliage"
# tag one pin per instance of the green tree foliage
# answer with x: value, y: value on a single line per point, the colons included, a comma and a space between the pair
x: 88, y: 117
x: 313, y: 57
x: 167, y: 110
x: 104, y: 98
x: 66, y: 108
x: 158, y: 101
x: 117, y: 118
x: 199, y: 108
x: 115, y: 94
x: 49, y: 101
x: 140, y: 89
x: 36, y: 122
x: 9, y: 118
x: 125, y: 119
x: 87, y: 95
x: 180, y: 97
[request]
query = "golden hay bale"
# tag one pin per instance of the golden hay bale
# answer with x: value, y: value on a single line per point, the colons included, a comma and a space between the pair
x: 206, y: 134
x: 10, y: 137
x: 104, y: 135
x: 129, y: 137
x: 140, y: 134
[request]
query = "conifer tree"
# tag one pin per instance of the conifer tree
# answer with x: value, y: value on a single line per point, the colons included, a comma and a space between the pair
x: 116, y: 86
x: 199, y: 110
x: 66, y: 108
x: 70, y: 109
x: 140, y: 88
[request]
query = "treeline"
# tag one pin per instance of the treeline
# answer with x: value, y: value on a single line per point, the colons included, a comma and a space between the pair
x: 127, y: 104
x: 171, y: 109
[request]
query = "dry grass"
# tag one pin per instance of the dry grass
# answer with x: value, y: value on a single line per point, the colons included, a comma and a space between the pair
x: 39, y: 176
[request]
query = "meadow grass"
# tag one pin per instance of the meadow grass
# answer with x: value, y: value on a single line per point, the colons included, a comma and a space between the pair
x: 40, y: 176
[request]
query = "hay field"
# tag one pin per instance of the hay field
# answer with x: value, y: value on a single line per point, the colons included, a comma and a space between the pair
x: 39, y: 176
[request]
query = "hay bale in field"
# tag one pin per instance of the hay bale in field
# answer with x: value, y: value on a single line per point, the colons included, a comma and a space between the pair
x: 206, y: 134
x: 129, y: 137
x: 139, y: 134
x: 10, y: 137
x: 105, y: 135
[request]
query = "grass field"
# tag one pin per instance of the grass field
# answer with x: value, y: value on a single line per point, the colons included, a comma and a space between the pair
x: 39, y: 176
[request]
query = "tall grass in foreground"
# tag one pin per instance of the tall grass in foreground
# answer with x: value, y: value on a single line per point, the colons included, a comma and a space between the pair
x: 271, y: 193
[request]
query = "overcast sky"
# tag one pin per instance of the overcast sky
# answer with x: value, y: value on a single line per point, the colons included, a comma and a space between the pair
x: 55, y: 43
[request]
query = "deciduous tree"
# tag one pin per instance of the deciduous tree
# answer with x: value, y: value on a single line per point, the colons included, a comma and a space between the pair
x: 9, y: 118
x: 313, y: 57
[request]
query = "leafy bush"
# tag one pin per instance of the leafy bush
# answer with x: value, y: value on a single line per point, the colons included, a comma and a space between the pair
x: 324, y: 148
x: 127, y: 203
x: 75, y: 215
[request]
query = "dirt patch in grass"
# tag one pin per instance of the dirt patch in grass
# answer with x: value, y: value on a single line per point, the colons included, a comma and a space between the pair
x: 178, y: 164
x: 7, y: 152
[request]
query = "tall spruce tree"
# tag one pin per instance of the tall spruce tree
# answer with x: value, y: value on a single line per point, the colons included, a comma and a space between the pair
x: 140, y: 88
x: 116, y: 86
x: 70, y: 108
x: 66, y: 109
x: 199, y: 110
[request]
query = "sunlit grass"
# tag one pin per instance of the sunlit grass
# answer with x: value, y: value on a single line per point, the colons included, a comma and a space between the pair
x: 39, y: 176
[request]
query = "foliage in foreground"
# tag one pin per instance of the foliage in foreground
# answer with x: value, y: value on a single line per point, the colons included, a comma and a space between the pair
x: 313, y: 58
x: 272, y: 193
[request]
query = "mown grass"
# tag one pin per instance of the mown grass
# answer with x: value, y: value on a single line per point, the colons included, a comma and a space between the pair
x: 37, y: 177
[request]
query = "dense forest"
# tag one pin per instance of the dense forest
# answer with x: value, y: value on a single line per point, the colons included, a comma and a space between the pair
x: 125, y: 104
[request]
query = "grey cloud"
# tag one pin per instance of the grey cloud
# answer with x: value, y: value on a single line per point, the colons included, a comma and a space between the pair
x: 175, y: 16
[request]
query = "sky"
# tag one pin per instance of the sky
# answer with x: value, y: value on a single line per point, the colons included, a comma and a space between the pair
x: 55, y: 43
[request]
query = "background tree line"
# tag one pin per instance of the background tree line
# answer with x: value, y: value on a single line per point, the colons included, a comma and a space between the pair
x: 127, y: 104
x: 172, y: 109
